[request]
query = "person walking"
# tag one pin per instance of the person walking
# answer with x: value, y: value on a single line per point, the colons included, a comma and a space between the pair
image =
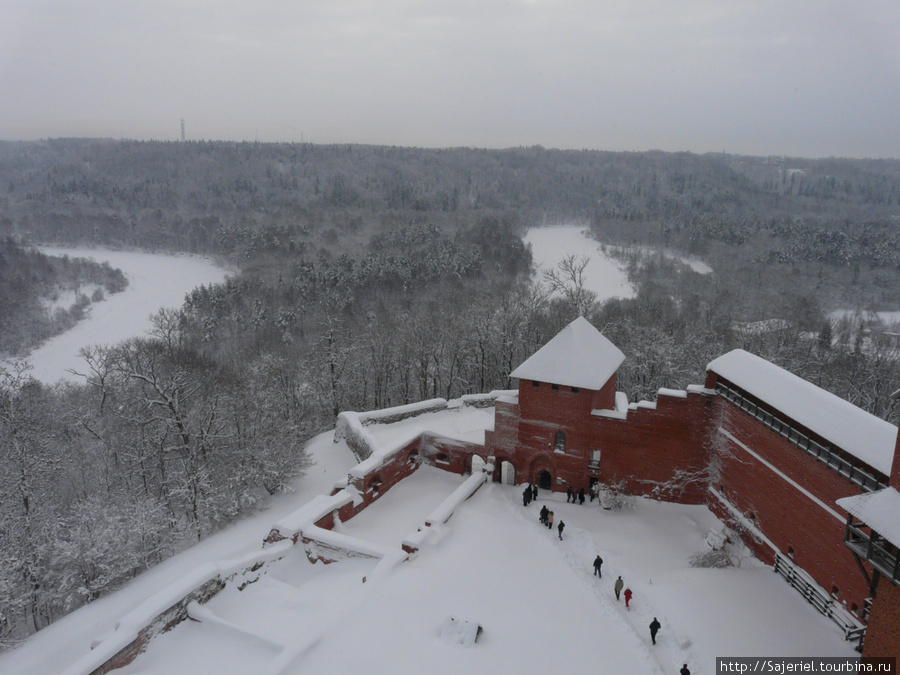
x: 598, y: 563
x: 561, y: 527
x: 550, y: 520
x: 544, y: 512
x: 684, y: 670
x: 534, y: 492
x: 526, y: 496
x: 569, y: 495
x: 654, y: 629
x: 628, y: 595
x: 581, y: 497
x: 618, y: 586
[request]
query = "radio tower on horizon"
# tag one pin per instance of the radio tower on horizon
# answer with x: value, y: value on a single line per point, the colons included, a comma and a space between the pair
x: 182, y: 130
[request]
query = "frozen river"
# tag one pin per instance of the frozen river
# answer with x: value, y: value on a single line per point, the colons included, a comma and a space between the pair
x: 603, y: 275
x: 154, y: 281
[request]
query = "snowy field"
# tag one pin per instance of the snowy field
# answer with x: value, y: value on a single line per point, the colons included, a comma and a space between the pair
x: 154, y: 281
x: 535, y: 596
x: 603, y: 274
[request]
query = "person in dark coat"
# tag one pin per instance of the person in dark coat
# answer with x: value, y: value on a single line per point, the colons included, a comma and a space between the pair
x: 581, y: 496
x: 628, y: 595
x: 618, y: 586
x: 534, y: 492
x: 568, y: 495
x: 526, y: 496
x: 544, y: 512
x: 561, y: 527
x: 684, y: 670
x: 598, y: 563
x: 654, y: 629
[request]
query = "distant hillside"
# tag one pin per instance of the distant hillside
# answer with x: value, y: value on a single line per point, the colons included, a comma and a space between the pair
x: 182, y: 195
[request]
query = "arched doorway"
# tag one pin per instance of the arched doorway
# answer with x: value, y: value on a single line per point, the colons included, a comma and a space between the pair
x: 507, y: 473
x: 545, y: 480
x: 477, y: 464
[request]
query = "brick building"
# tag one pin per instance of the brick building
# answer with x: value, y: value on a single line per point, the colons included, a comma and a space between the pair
x: 773, y: 455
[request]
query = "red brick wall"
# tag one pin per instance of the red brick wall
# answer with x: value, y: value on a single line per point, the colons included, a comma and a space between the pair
x: 883, y: 633
x: 654, y: 447
x: 648, y: 448
x: 801, y: 529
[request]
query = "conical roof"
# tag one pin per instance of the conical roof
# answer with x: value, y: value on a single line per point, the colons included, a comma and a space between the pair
x: 579, y: 356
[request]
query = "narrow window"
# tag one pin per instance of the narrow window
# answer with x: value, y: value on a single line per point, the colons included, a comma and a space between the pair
x: 574, y: 390
x: 559, y: 444
x: 791, y: 552
x: 555, y: 386
x: 535, y: 383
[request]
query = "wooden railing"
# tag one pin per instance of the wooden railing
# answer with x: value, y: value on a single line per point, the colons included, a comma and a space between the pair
x: 823, y: 453
x: 819, y: 599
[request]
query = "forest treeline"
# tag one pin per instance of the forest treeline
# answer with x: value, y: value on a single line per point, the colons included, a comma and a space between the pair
x: 374, y: 276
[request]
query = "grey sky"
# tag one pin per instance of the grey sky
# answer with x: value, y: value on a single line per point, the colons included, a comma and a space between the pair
x: 796, y: 77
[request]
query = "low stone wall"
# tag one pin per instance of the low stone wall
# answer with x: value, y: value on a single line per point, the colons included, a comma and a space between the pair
x: 164, y: 610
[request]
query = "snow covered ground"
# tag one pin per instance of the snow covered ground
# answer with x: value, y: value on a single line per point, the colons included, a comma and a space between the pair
x: 536, y: 597
x: 603, y: 275
x: 154, y: 281
x: 53, y: 649
x: 541, y: 608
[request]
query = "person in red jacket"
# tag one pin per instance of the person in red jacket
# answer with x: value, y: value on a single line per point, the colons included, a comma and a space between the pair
x: 627, y: 598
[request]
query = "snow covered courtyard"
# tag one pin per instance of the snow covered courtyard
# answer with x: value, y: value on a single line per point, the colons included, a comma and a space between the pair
x: 535, y: 596
x: 492, y: 563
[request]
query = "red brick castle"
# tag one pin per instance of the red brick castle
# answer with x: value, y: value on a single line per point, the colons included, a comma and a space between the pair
x: 810, y: 480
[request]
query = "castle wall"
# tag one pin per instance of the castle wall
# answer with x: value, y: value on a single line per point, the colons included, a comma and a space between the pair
x: 883, y: 633
x: 790, y: 497
x: 660, y: 451
x: 646, y: 447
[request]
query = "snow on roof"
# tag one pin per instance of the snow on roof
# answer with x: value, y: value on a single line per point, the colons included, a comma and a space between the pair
x: 879, y: 510
x: 840, y: 422
x: 578, y: 356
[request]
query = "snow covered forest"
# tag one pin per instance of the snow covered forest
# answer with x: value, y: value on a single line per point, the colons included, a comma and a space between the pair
x: 376, y: 276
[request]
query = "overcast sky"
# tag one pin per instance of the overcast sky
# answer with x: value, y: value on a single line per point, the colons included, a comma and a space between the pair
x: 797, y: 77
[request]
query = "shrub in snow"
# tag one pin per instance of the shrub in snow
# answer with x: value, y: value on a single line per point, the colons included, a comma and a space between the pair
x: 614, y: 498
x: 717, y: 557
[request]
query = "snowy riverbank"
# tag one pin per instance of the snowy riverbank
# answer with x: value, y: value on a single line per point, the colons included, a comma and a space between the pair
x: 154, y: 281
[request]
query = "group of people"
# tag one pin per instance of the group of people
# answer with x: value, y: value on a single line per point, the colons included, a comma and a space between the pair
x: 546, y: 518
x: 575, y: 497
